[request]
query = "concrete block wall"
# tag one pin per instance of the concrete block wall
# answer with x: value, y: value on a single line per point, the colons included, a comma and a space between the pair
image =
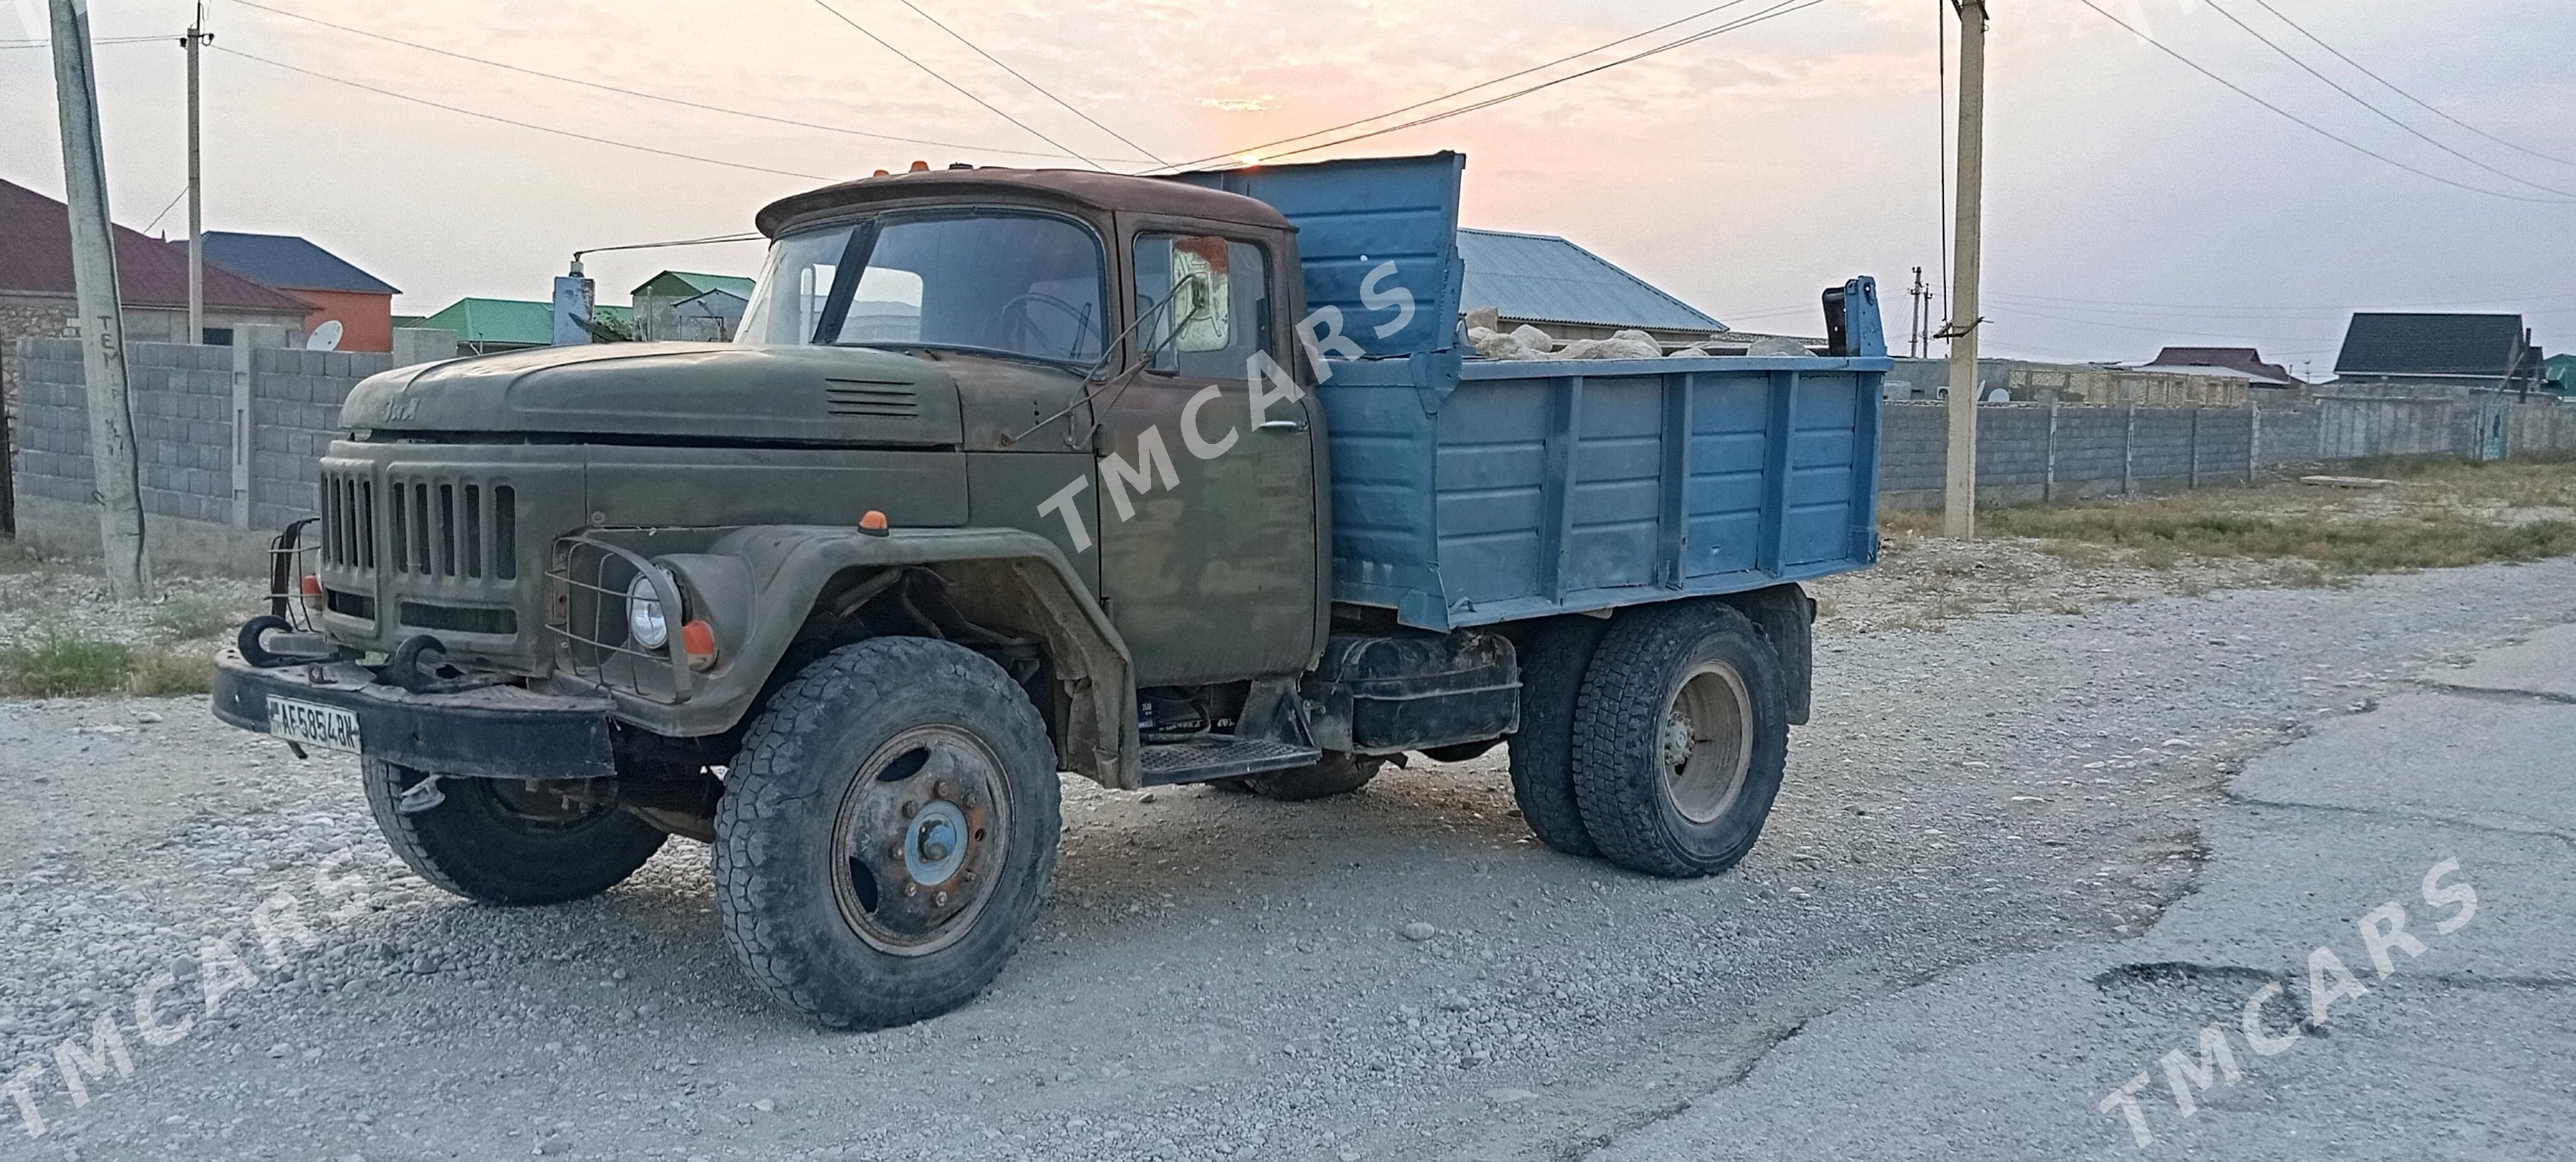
x: 295, y: 414
x: 186, y: 400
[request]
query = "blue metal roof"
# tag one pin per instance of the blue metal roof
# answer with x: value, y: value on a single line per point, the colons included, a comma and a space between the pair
x: 1542, y: 277
x: 288, y: 262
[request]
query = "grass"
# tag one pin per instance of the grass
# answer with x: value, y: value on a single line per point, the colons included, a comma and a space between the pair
x: 192, y: 619
x: 70, y: 666
x: 2164, y: 530
x: 62, y: 666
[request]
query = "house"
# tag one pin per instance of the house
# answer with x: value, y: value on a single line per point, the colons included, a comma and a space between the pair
x: 2558, y: 372
x: 331, y: 288
x: 2469, y: 351
x: 37, y: 299
x: 1571, y: 293
x: 2242, y: 359
x: 679, y: 304
x: 36, y: 291
x: 484, y: 325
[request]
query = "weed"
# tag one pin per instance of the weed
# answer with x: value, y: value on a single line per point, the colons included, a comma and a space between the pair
x: 63, y: 665
x: 190, y: 619
x: 161, y: 673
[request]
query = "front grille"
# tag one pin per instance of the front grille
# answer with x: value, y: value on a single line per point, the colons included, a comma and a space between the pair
x: 352, y: 604
x: 436, y: 528
x: 446, y: 528
x: 460, y: 619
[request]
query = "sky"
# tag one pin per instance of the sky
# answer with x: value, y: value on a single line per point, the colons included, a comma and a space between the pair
x: 2131, y: 202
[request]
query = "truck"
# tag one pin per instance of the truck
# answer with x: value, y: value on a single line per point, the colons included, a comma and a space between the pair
x: 1016, y: 473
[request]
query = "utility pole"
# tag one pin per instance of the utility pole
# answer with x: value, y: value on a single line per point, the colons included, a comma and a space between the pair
x: 197, y: 38
x: 1959, y: 498
x: 1921, y: 303
x: 102, y: 323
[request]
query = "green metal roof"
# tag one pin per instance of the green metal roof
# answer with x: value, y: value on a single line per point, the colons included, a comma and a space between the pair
x: 682, y: 284
x: 520, y: 321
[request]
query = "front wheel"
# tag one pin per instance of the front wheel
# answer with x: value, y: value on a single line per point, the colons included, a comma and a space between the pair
x: 1680, y: 737
x: 506, y: 841
x: 887, y: 833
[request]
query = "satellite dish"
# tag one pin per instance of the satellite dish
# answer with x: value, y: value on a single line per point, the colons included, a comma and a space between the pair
x: 325, y: 337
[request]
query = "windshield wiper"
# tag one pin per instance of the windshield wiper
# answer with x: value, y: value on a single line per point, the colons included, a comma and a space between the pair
x: 1123, y: 377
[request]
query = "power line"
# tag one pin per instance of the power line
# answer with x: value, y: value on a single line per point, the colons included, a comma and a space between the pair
x: 1484, y: 84
x: 2384, y: 115
x: 104, y: 40
x: 1783, y: 8
x: 709, y: 240
x: 2306, y: 124
x: 1042, y: 90
x: 2392, y: 87
x: 578, y: 136
x: 935, y: 75
x: 165, y: 211
x: 649, y: 96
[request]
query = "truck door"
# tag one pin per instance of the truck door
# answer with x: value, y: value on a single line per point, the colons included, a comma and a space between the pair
x: 1208, y: 511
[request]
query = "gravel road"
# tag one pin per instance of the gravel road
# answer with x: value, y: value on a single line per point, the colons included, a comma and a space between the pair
x: 1216, y: 976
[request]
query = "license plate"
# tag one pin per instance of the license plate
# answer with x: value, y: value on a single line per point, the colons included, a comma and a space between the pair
x: 324, y: 726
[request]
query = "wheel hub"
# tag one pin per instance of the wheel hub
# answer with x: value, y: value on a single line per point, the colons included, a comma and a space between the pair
x: 921, y: 837
x: 1707, y: 742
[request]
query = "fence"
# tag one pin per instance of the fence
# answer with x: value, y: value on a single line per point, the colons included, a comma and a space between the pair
x: 229, y: 438
x: 226, y: 440
x: 2029, y: 452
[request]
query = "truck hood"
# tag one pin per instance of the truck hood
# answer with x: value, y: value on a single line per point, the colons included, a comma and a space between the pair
x: 700, y: 391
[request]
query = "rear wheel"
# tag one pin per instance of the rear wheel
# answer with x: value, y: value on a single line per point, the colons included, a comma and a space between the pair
x: 506, y: 841
x: 1681, y: 734
x: 1337, y: 773
x: 1543, y: 750
x: 887, y: 833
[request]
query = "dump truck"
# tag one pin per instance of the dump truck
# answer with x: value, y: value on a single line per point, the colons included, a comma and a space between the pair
x: 1014, y: 473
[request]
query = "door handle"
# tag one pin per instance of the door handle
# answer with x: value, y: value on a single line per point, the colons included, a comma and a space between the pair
x: 1282, y: 426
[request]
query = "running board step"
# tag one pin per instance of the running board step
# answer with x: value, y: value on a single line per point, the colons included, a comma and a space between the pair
x: 1219, y: 757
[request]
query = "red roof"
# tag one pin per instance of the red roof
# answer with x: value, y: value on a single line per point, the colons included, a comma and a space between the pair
x: 36, y: 258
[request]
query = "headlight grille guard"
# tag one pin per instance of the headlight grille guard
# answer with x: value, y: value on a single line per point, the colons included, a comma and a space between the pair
x: 586, y: 584
x: 291, y: 558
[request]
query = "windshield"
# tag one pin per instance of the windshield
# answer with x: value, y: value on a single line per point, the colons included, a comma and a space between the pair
x: 1014, y: 284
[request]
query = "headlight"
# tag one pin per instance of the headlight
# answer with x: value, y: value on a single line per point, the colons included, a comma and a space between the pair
x: 647, y: 624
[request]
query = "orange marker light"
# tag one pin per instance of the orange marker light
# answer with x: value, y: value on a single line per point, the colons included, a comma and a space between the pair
x: 920, y: 166
x: 873, y: 523
x: 878, y: 174
x: 698, y: 640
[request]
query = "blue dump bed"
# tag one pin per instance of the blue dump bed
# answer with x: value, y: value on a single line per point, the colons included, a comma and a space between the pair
x: 1468, y: 491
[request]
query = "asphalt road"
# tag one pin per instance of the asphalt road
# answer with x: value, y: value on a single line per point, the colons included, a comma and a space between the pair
x: 2438, y: 1021
x: 1982, y: 821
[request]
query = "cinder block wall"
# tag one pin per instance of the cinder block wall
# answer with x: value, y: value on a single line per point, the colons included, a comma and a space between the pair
x: 188, y: 403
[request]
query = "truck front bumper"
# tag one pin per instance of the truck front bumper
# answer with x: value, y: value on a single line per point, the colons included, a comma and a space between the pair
x: 502, y: 732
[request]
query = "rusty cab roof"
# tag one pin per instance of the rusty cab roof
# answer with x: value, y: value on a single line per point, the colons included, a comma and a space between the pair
x: 1094, y: 190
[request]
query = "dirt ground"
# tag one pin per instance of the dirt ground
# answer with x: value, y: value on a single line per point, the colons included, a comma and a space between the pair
x: 2014, y: 748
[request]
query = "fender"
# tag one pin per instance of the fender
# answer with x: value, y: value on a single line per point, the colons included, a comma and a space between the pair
x: 758, y: 587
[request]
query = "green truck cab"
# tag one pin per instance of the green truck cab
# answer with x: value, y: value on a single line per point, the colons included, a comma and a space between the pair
x: 1013, y: 473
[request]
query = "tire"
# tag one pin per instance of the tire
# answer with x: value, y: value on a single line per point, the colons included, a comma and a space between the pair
x: 1338, y: 773
x: 885, y: 762
x: 1543, y: 750
x: 503, y: 841
x: 1694, y: 680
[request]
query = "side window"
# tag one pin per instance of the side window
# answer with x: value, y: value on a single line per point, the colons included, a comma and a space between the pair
x: 1205, y: 302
